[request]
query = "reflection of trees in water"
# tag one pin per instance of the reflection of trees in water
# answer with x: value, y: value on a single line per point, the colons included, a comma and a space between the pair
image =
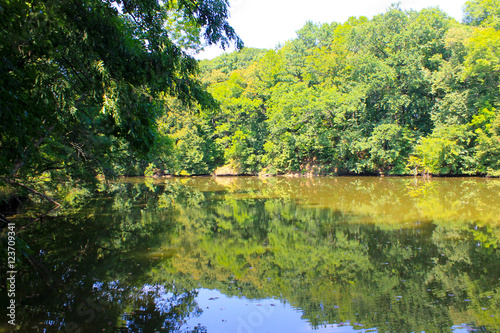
x: 268, y: 238
x: 111, y: 307
x: 407, y: 274
x: 381, y: 200
x: 97, y: 281
x: 154, y: 310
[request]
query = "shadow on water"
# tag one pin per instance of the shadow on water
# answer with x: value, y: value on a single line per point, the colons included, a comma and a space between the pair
x: 331, y: 254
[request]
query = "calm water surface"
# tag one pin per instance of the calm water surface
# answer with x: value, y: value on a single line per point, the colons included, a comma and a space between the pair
x: 343, y: 254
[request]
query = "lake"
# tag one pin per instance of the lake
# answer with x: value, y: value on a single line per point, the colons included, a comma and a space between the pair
x: 247, y: 254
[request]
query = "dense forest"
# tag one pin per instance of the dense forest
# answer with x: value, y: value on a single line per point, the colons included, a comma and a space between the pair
x: 94, y: 89
x: 406, y: 92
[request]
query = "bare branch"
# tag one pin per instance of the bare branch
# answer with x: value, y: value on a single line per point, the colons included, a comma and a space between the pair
x: 46, y: 197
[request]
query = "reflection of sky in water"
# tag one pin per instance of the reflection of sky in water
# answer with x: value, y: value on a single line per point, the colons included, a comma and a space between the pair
x: 224, y: 314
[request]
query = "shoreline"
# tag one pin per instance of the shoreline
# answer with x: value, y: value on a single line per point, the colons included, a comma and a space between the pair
x: 309, y: 175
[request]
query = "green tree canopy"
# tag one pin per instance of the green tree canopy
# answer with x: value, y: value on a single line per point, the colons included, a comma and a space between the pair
x: 81, y: 80
x: 397, y: 94
x: 482, y: 13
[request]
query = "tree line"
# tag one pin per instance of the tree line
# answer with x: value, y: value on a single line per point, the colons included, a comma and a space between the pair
x: 407, y: 92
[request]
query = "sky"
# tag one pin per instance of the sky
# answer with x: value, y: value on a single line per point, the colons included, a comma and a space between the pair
x: 268, y: 23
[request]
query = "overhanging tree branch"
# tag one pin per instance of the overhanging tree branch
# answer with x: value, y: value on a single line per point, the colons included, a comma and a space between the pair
x: 46, y: 197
